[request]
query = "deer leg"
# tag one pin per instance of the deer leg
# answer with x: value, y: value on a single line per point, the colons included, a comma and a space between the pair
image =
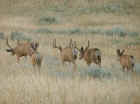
x: 126, y: 68
x: 133, y: 65
x: 123, y: 67
x: 36, y: 70
x: 74, y: 65
x: 34, y: 66
x: 99, y: 61
x: 39, y: 67
x: 99, y: 65
x: 25, y: 57
x: 18, y: 59
x: 63, y: 63
x: 130, y: 68
x: 88, y: 63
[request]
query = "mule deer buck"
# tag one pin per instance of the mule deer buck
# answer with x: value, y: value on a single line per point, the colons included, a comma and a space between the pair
x: 90, y: 55
x: 126, y: 61
x: 68, y: 54
x: 22, y: 49
x: 36, y: 60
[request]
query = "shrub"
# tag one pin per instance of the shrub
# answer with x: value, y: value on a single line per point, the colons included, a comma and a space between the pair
x: 120, y: 31
x: 1, y: 35
x: 133, y: 34
x: 43, y: 30
x: 98, y: 73
x: 47, y: 20
x: 19, y: 36
x: 95, y: 72
x: 116, y: 41
x: 74, y: 30
x: 112, y: 8
x: 134, y: 43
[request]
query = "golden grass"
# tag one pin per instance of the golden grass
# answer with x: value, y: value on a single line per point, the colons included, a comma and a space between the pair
x: 57, y: 84
x: 30, y: 88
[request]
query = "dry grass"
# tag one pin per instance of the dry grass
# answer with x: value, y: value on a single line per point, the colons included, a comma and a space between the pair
x: 32, y: 89
x: 57, y: 84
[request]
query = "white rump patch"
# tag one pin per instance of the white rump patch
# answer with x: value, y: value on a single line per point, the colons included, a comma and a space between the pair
x: 74, y: 52
x: 133, y: 60
x: 98, y: 53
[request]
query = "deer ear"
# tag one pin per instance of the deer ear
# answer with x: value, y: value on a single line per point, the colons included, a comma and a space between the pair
x: 118, y: 52
x: 37, y: 44
x: 122, y: 52
x: 82, y: 48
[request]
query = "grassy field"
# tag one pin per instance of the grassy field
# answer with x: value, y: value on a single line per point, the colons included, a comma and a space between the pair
x: 108, y: 24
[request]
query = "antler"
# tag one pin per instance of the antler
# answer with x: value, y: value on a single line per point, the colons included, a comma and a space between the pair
x: 122, y: 52
x: 70, y: 43
x: 87, y: 45
x: 54, y: 45
x: 75, y: 46
x: 8, y: 43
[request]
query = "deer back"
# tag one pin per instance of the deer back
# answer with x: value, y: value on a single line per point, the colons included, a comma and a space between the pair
x: 92, y: 53
x: 67, y: 54
x: 127, y: 60
x: 23, y: 49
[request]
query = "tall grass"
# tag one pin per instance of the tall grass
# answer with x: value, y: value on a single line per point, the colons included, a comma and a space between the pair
x: 32, y: 89
x: 81, y: 20
x: 57, y: 84
x: 87, y: 6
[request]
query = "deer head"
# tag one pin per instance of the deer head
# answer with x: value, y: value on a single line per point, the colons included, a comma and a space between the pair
x: 34, y: 45
x: 82, y: 50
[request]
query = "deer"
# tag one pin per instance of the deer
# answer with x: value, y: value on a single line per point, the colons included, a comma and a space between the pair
x: 68, y: 54
x: 22, y: 49
x: 36, y: 59
x: 90, y: 55
x: 126, y: 61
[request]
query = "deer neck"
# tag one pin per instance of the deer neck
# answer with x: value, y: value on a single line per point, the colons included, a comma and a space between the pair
x: 85, y: 55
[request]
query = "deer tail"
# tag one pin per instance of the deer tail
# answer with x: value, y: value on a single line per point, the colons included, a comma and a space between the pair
x: 132, y: 60
x: 98, y: 55
x: 9, y: 50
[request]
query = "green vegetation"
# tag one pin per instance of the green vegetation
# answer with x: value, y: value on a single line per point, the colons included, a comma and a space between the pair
x: 19, y: 36
x: 107, y: 24
x: 48, y: 20
x: 76, y: 6
x: 2, y: 35
x: 94, y: 72
x: 115, y: 31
